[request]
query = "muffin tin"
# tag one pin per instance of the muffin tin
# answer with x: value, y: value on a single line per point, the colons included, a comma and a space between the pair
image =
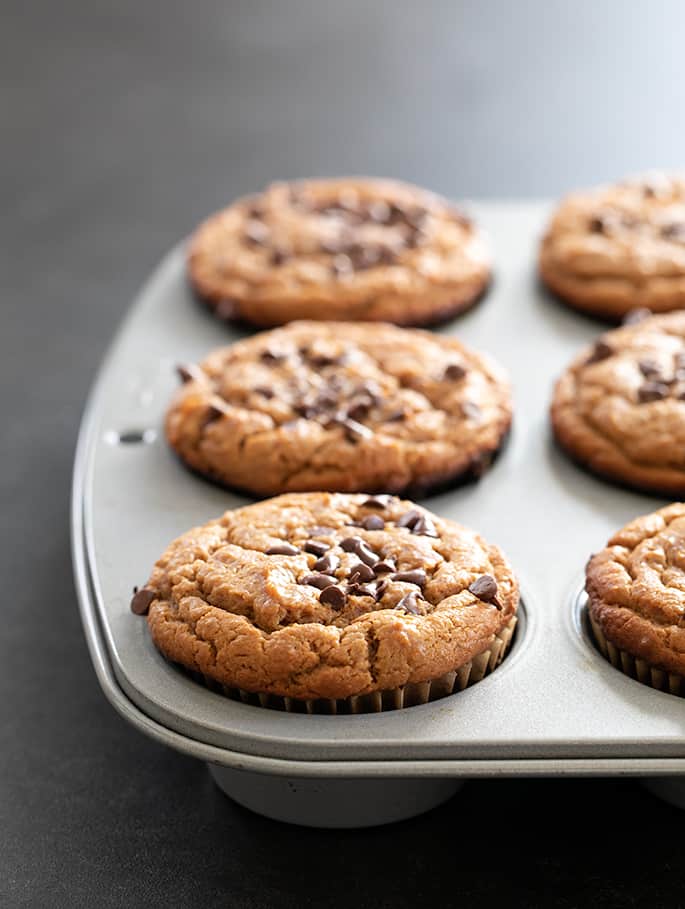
x: 555, y: 705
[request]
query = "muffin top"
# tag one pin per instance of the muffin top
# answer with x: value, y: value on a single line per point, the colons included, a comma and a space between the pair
x: 340, y: 407
x: 620, y: 407
x: 617, y: 247
x: 636, y: 588
x: 358, y: 249
x: 327, y: 595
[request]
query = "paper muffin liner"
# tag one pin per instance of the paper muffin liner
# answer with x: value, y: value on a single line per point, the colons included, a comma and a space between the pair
x: 390, y: 699
x: 635, y: 667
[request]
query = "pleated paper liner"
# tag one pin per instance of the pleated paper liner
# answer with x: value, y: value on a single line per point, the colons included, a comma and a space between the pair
x: 636, y: 668
x: 391, y: 699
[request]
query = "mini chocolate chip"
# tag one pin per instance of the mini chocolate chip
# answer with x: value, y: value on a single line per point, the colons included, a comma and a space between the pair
x: 601, y: 351
x: 212, y: 414
x: 189, y: 373
x: 414, y: 576
x: 597, y: 224
x: 372, y: 522
x: 379, y: 501
x: 361, y: 572
x: 272, y: 356
x: 227, y: 309
x: 410, y: 604
x: 141, y: 600
x: 283, y: 549
x: 648, y: 367
x: 317, y: 580
x: 424, y: 527
x: 358, y: 410
x: 383, y: 567
x: 652, y: 391
x: 332, y: 596
x: 327, y: 563
x: 361, y: 590
x: 454, y: 371
x: 359, y: 548
x: 256, y: 232
x: 639, y: 314
x: 264, y: 391
x: 485, y: 588
x: 381, y: 587
x: 278, y: 257
x: 470, y: 410
x: 409, y: 518
x: 316, y: 548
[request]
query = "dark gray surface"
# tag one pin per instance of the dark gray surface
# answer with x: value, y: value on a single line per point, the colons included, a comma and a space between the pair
x: 122, y: 124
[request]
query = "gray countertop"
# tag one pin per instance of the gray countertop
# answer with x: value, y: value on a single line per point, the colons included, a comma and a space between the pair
x: 122, y: 125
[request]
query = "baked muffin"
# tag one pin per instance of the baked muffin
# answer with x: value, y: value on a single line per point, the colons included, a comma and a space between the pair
x: 358, y: 249
x: 342, y: 407
x: 636, y: 591
x: 332, y: 602
x: 619, y: 409
x: 612, y: 249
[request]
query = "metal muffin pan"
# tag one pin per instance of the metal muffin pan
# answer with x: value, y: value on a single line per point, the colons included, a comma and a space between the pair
x: 554, y: 705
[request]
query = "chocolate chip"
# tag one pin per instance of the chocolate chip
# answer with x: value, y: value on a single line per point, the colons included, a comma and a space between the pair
x: 379, y: 501
x: 385, y: 566
x: 256, y: 232
x: 283, y: 549
x: 355, y: 432
x: 652, y: 391
x: 361, y: 572
x: 454, y: 371
x: 278, y: 257
x: 410, y: 604
x: 485, y: 588
x: 212, y: 414
x: 381, y: 587
x: 264, y: 391
x: 396, y: 416
x: 648, y: 367
x: 600, y: 351
x: 326, y: 400
x: 361, y: 590
x: 327, y: 563
x: 409, y: 518
x: 316, y: 548
x: 189, y: 373
x: 307, y: 411
x: 415, y: 576
x: 359, y: 409
x: 470, y: 410
x: 597, y: 225
x: 317, y: 580
x: 272, y: 356
x: 372, y: 522
x: 141, y: 600
x: 359, y: 548
x: 332, y: 596
x: 675, y: 231
x: 639, y: 314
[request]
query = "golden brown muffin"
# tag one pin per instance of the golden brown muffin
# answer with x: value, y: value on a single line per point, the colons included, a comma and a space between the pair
x: 636, y: 590
x: 619, y: 409
x: 333, y: 596
x: 341, y: 407
x: 358, y: 249
x: 615, y: 248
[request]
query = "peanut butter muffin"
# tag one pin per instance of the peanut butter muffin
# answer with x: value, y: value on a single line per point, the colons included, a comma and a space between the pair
x: 341, y: 407
x: 619, y: 409
x: 368, y: 603
x: 615, y: 248
x: 358, y: 249
x: 636, y: 590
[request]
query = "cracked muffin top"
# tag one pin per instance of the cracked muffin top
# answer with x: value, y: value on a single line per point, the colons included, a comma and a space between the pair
x: 636, y: 588
x: 620, y: 407
x: 358, y: 249
x: 615, y: 248
x: 341, y: 407
x: 320, y: 595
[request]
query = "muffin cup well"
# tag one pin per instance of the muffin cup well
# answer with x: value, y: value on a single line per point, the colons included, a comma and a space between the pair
x: 390, y: 699
x: 634, y: 667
